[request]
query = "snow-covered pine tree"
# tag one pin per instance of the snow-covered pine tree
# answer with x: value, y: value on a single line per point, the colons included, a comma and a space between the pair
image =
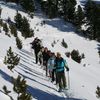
x: 20, y: 88
x: 79, y: 17
x: 13, y: 29
x: 18, y: 43
x: 11, y: 60
x: 19, y: 85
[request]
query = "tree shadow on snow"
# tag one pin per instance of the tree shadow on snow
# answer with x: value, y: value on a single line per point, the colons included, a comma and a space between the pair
x: 42, y: 95
x: 5, y: 76
x: 29, y: 69
x: 26, y: 77
x: 33, y: 74
x: 26, y: 53
x: 60, y: 24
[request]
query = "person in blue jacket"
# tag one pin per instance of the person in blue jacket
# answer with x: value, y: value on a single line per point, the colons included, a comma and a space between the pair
x: 60, y: 65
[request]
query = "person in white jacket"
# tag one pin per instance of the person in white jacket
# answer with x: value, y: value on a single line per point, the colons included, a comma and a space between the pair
x: 51, y: 68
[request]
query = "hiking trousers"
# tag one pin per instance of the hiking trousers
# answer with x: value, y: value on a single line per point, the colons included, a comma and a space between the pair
x: 61, y: 79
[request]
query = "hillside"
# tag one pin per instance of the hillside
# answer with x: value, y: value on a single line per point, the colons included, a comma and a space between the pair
x: 83, y: 79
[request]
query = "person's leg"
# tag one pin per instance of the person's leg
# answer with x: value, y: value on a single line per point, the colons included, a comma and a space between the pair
x: 46, y: 69
x: 59, y: 81
x: 63, y: 80
x: 53, y: 78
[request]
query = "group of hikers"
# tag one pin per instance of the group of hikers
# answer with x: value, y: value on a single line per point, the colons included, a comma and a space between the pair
x: 54, y: 64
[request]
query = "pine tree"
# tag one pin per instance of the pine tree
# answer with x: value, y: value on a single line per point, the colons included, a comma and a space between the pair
x: 50, y: 7
x: 28, y: 5
x: 25, y: 29
x: 18, y: 43
x: 69, y: 10
x: 19, y: 85
x: 13, y: 29
x: 92, y: 12
x: 18, y: 20
x: 0, y: 11
x: 1, y: 22
x: 79, y: 17
x: 11, y: 60
x: 5, y: 28
x: 20, y: 88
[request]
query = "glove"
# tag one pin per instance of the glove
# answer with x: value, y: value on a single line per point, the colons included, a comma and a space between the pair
x: 67, y: 69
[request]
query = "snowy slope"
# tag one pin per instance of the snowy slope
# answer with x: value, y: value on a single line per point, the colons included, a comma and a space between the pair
x: 3, y: 96
x: 83, y: 80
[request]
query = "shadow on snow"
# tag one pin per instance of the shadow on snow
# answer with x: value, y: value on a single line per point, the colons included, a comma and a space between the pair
x: 5, y: 76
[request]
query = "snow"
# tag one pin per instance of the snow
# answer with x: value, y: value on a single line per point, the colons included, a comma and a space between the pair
x: 3, y: 96
x: 83, y: 79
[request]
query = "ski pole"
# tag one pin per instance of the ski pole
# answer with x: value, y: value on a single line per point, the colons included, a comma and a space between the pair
x: 68, y: 80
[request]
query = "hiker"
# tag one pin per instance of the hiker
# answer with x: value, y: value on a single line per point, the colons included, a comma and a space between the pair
x: 60, y: 65
x: 40, y: 56
x: 51, y: 68
x: 46, y: 56
x: 36, y: 45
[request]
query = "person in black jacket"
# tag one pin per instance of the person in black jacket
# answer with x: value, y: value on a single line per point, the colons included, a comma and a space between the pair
x: 36, y: 45
x: 46, y: 56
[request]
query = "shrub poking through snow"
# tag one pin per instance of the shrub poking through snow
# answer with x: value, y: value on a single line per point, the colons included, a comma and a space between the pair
x: 99, y: 53
x: 82, y: 56
x: 5, y: 90
x: 64, y: 44
x: 68, y: 54
x: 76, y: 56
x: 98, y: 92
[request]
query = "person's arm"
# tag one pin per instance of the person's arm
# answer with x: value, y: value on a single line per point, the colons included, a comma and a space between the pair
x: 66, y: 65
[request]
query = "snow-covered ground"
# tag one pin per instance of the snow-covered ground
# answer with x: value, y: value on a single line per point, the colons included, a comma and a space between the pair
x: 3, y: 96
x: 83, y: 79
